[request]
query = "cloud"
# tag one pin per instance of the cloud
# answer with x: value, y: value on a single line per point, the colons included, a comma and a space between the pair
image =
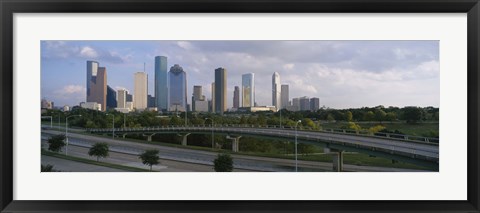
x: 70, y: 90
x: 120, y: 88
x: 185, y: 45
x: 58, y: 49
x: 288, y: 66
x: 72, y: 94
x: 88, y: 52
x: 64, y: 50
x: 340, y: 73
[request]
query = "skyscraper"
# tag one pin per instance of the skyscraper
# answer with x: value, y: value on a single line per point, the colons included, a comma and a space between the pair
x: 150, y: 101
x: 236, y: 97
x: 248, y: 90
x: 111, y: 97
x: 129, y: 97
x: 276, y: 93
x: 121, y: 98
x: 285, y: 97
x: 213, y: 98
x: 197, y: 93
x: 96, y: 84
x: 140, y: 91
x: 161, y: 83
x: 92, y: 68
x: 296, y: 103
x: 314, y: 104
x: 199, y: 103
x: 178, y: 88
x: 304, y: 103
x: 98, y: 87
x: 220, y: 90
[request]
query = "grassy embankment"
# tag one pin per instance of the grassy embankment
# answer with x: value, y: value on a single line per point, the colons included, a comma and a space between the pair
x: 92, y: 162
x: 349, y: 158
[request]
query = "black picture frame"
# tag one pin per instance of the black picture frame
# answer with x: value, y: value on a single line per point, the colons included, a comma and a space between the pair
x: 9, y: 7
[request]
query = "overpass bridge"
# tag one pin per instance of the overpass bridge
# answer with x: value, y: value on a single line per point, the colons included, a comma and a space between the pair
x: 411, y: 149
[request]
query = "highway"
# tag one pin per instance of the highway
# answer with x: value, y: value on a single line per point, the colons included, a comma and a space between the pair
x: 62, y: 165
x: 201, y: 160
x: 405, y: 147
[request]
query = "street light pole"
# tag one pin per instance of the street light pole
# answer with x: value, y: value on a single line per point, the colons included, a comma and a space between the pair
x: 51, y: 120
x: 280, y: 117
x: 212, y: 131
x: 66, y: 131
x: 277, y: 92
x: 113, y: 125
x: 296, y: 159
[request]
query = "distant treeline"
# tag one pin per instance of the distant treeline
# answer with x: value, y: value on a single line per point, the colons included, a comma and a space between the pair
x: 97, y: 119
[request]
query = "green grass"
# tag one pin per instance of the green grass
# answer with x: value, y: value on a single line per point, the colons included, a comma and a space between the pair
x: 349, y: 158
x: 364, y: 160
x: 92, y: 162
x: 419, y: 129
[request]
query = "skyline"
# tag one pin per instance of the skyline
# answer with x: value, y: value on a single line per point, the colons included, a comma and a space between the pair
x: 342, y: 74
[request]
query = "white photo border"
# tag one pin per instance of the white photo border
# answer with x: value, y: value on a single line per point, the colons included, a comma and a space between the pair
x: 449, y: 29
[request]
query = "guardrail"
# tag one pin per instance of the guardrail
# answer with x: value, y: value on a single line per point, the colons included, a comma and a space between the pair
x: 403, y: 146
x: 411, y: 138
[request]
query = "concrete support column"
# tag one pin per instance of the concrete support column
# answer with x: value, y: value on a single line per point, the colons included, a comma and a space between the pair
x: 149, y: 137
x: 337, y: 160
x: 235, y: 142
x: 184, y: 138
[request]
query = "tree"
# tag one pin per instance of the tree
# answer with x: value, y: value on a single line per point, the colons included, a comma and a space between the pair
x: 243, y: 120
x: 375, y: 129
x: 47, y: 168
x: 223, y: 163
x: 369, y: 116
x: 150, y: 157
x: 412, y: 114
x: 56, y: 143
x: 261, y: 120
x: 306, y: 149
x: 391, y: 116
x: 354, y: 126
x: 308, y: 122
x: 90, y: 124
x: 330, y: 117
x: 176, y: 121
x: 380, y: 115
x: 252, y: 120
x: 348, y: 116
x: 99, y: 150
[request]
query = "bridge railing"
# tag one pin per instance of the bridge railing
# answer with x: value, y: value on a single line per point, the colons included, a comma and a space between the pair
x: 402, y: 148
x: 394, y: 136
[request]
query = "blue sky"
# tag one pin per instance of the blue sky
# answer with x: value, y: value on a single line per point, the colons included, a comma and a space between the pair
x: 343, y: 74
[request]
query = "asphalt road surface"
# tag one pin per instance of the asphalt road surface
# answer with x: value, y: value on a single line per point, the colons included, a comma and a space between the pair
x: 63, y: 165
x: 174, y: 159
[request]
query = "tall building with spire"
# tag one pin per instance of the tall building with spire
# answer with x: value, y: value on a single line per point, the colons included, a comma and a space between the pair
x: 276, y: 90
x: 161, y: 83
